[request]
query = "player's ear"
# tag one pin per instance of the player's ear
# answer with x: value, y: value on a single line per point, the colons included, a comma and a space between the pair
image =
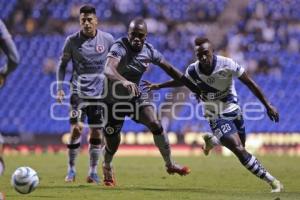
x: 96, y: 19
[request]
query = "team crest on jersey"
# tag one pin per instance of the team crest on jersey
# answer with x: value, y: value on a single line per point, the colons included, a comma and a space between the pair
x: 100, y: 48
x: 210, y: 80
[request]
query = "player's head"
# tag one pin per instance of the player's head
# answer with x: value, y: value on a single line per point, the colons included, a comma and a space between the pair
x: 137, y: 33
x: 88, y: 20
x: 204, y: 51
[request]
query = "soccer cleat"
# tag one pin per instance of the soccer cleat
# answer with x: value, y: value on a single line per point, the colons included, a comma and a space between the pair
x: 108, y: 176
x: 276, y: 186
x: 93, y: 178
x: 2, y: 166
x: 70, y: 176
x: 177, y: 169
x: 208, y: 145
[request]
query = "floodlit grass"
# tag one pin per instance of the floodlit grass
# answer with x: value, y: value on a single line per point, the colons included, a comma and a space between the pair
x: 213, y: 177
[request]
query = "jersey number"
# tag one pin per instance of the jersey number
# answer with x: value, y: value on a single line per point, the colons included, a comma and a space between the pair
x: 226, y: 128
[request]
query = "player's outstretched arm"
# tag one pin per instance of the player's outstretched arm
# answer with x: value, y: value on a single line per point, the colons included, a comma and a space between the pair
x: 111, y: 72
x: 60, y: 75
x: 148, y: 86
x: 61, y: 69
x: 177, y: 76
x: 255, y: 89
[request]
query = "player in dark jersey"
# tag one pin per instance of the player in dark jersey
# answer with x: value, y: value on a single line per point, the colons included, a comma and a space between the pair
x: 214, y: 76
x: 87, y: 49
x: 8, y: 46
x: 127, y: 60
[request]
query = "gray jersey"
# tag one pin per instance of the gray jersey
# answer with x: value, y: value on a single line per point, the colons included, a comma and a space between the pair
x: 88, y: 57
x: 132, y: 64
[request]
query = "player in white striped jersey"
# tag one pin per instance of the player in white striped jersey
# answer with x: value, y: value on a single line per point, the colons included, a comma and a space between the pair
x: 213, y: 74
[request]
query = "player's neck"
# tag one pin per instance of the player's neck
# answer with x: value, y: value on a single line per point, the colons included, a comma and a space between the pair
x: 208, y: 70
x: 87, y: 35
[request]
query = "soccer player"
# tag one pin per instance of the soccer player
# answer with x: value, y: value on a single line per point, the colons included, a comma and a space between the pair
x: 214, y: 75
x: 9, y: 48
x: 126, y: 62
x: 87, y: 49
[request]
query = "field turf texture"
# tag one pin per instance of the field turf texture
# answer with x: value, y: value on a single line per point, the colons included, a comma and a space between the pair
x: 212, y: 178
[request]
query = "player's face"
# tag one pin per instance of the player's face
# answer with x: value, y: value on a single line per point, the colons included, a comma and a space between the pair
x: 204, y: 54
x: 88, y: 23
x: 137, y: 37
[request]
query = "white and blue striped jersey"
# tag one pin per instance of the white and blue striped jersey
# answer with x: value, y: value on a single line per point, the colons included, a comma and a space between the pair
x: 218, y: 92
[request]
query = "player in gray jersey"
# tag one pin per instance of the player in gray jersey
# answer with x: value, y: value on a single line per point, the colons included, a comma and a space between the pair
x: 127, y: 61
x: 87, y: 49
x: 8, y: 46
x: 214, y: 74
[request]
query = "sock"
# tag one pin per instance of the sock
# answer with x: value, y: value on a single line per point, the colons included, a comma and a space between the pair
x: 107, y: 158
x: 95, y: 153
x: 254, y: 166
x: 73, y: 150
x: 162, y: 143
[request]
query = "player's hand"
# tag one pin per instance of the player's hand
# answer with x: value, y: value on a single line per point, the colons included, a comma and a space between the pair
x: 272, y: 113
x: 147, y: 86
x: 132, y: 87
x: 2, y: 80
x: 60, y: 96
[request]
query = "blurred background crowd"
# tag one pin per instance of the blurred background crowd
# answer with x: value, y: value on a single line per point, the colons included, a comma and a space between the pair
x: 262, y: 35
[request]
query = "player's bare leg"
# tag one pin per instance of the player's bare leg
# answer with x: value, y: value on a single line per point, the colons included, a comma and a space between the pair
x: 149, y: 119
x: 95, y: 154
x: 73, y: 150
x: 112, y: 142
x: 234, y: 143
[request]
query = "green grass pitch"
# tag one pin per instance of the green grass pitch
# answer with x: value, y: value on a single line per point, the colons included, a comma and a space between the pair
x: 212, y: 178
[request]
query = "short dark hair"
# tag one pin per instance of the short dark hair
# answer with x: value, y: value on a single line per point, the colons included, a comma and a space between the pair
x: 87, y: 9
x: 201, y: 40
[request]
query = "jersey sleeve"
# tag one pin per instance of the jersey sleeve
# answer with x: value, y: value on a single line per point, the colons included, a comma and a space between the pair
x: 66, y: 52
x: 188, y: 74
x: 236, y: 69
x: 111, y: 41
x: 156, y: 56
x: 117, y: 51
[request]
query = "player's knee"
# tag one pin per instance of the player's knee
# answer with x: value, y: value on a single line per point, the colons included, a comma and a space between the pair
x: 111, y: 150
x: 155, y: 127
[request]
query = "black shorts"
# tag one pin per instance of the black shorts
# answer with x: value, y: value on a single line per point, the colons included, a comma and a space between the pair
x: 115, y: 113
x: 92, y: 109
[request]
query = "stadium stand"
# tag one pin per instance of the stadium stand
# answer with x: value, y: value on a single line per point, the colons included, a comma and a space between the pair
x: 266, y: 43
